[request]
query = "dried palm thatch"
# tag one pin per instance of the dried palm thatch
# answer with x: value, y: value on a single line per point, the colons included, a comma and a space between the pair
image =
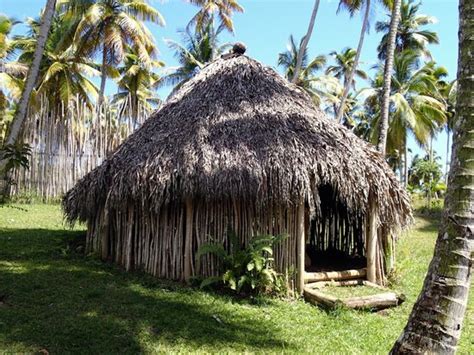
x: 237, y: 145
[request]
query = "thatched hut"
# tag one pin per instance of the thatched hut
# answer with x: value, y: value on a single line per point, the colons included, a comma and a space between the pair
x: 240, y: 147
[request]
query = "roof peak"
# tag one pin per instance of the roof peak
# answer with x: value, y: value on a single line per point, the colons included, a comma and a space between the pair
x: 237, y: 50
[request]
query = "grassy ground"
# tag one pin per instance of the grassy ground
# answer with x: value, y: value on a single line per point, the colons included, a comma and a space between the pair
x: 54, y: 299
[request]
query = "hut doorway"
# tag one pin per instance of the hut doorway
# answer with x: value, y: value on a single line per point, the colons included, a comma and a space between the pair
x: 335, y: 236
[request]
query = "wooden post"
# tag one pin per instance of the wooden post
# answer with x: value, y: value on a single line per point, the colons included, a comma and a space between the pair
x: 371, y: 240
x: 300, y: 248
x: 104, y: 232
x: 188, y: 240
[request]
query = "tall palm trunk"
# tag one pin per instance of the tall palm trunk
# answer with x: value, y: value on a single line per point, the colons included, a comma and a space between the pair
x: 33, y: 73
x: 430, y: 186
x: 103, y: 77
x: 448, y: 134
x: 387, y: 77
x: 405, y: 165
x: 304, y: 43
x: 20, y: 115
x: 347, y: 87
x: 436, y: 320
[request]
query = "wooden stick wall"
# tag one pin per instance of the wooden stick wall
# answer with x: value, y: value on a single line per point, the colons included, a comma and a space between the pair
x: 135, y: 237
x: 70, y: 141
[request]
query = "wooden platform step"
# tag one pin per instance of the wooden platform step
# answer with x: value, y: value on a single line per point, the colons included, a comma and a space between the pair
x: 374, y: 302
x: 346, y: 283
x: 335, y: 275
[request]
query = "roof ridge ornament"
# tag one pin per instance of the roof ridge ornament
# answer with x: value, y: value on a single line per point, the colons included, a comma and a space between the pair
x: 237, y: 50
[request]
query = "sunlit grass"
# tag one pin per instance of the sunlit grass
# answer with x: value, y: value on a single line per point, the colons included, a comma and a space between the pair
x: 53, y: 298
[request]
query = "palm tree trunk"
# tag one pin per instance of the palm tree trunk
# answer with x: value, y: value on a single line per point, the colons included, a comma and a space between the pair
x: 387, y: 77
x: 430, y: 186
x: 347, y: 87
x: 20, y: 115
x: 436, y: 320
x: 405, y: 165
x: 103, y: 77
x: 448, y: 131
x: 304, y: 43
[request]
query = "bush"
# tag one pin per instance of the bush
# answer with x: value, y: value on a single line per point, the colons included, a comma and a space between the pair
x: 245, y: 269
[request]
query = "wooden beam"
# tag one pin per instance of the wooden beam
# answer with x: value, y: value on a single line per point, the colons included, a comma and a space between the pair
x: 377, y: 301
x: 371, y: 246
x: 335, y: 275
x: 188, y: 240
x: 300, y: 248
x: 373, y: 302
x: 344, y: 283
x: 318, y: 297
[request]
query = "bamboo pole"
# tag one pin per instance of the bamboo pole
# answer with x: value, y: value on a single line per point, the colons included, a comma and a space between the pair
x: 104, y: 233
x: 300, y: 246
x: 344, y: 283
x: 188, y: 240
x: 372, y: 243
x: 335, y: 275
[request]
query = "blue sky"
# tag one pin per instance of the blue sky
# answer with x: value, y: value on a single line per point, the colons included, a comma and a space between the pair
x: 266, y: 25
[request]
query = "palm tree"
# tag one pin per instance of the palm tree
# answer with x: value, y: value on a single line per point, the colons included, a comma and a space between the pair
x: 354, y: 6
x: 205, y: 15
x: 136, y: 83
x: 318, y: 87
x: 63, y: 73
x: 410, y: 34
x: 344, y: 62
x: 6, y: 25
x: 32, y: 76
x: 387, y: 75
x: 415, y: 105
x: 112, y: 25
x: 20, y: 115
x: 199, y: 48
x: 304, y: 42
x: 435, y: 323
x: 449, y: 94
x: 12, y: 74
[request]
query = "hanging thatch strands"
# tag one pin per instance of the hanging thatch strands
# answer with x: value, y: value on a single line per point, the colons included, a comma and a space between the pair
x: 69, y: 141
x: 239, y: 147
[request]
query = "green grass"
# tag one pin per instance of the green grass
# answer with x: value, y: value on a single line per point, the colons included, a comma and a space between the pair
x: 53, y: 298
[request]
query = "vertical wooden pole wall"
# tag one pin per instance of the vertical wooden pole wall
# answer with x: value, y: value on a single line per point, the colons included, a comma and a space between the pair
x: 300, y: 248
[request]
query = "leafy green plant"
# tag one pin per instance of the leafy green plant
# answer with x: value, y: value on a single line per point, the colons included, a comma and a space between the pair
x: 16, y: 155
x: 245, y: 269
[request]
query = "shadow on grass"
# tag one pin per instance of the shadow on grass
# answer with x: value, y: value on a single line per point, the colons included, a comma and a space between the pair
x: 428, y: 223
x: 58, y: 300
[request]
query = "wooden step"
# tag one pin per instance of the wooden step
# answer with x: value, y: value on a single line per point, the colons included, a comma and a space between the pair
x: 344, y: 283
x: 335, y: 275
x: 373, y: 302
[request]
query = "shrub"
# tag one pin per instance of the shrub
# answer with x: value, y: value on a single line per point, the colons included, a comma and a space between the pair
x: 245, y: 269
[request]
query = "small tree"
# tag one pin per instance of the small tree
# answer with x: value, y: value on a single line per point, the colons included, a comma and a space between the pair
x: 425, y: 175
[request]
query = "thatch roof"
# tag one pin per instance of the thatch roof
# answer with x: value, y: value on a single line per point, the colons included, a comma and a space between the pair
x: 239, y: 129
